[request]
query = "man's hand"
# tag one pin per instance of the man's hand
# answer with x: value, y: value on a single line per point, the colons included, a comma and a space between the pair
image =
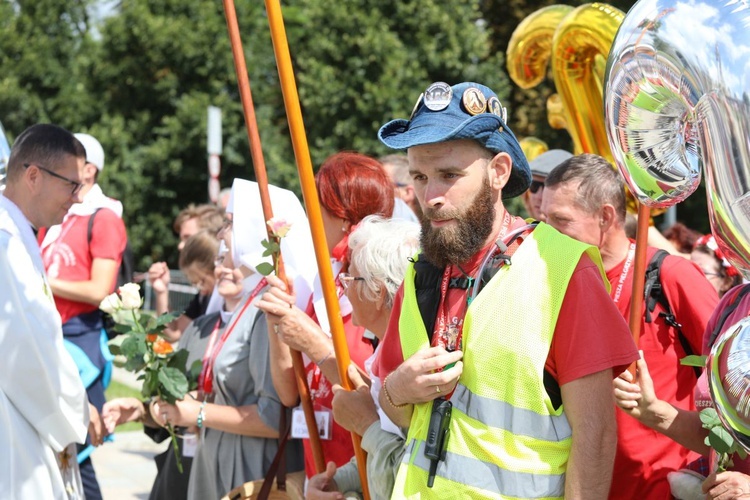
x: 354, y: 410
x: 727, y: 486
x: 96, y: 426
x: 158, y: 276
x: 121, y: 410
x: 416, y: 381
x: 322, y: 486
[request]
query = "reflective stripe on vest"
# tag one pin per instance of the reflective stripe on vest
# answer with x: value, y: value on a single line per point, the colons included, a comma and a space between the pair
x: 502, y: 415
x: 506, y: 438
x: 488, y: 476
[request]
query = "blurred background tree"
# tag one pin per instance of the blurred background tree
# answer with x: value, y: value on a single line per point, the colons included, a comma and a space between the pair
x: 140, y: 78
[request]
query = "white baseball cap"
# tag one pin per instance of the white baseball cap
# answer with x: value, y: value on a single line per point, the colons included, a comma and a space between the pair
x: 94, y: 150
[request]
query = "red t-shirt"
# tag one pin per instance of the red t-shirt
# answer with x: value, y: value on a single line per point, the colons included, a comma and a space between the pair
x: 644, y: 456
x: 70, y: 256
x: 339, y: 448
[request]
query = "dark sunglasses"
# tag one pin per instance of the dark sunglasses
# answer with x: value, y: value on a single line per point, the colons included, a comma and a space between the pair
x: 535, y: 186
x: 75, y: 185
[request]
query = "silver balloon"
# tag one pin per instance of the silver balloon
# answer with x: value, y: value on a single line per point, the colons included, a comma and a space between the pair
x: 4, y: 156
x: 729, y: 380
x: 677, y: 100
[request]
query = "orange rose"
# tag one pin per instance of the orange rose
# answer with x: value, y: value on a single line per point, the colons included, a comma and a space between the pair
x: 151, y: 337
x: 162, y: 347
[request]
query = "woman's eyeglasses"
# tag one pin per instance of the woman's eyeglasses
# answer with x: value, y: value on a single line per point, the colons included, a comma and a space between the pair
x: 347, y: 279
x: 75, y: 185
x: 535, y: 186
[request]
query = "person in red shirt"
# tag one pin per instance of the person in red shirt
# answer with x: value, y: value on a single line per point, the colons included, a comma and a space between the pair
x: 350, y: 186
x: 465, y: 161
x: 584, y: 198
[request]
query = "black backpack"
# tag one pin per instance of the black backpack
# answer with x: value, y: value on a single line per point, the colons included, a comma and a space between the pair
x: 127, y: 265
x: 653, y: 293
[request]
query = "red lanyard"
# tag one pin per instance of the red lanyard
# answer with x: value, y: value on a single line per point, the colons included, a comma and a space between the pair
x: 624, y: 274
x: 206, y: 378
x: 448, y: 333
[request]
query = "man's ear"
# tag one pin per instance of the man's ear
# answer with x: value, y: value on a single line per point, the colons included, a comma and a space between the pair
x: 32, y: 177
x: 499, y: 167
x: 607, y: 217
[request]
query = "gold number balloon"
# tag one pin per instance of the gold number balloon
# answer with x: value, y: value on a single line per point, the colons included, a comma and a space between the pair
x: 530, y: 46
x: 581, y: 45
x: 533, y: 147
x: 577, y: 42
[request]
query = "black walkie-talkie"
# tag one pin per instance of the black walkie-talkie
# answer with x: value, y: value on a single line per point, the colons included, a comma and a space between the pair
x: 437, y: 435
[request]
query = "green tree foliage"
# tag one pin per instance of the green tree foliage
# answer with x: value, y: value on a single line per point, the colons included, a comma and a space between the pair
x: 142, y: 81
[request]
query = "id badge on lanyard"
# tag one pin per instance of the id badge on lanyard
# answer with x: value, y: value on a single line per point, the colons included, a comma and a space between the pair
x: 323, y: 416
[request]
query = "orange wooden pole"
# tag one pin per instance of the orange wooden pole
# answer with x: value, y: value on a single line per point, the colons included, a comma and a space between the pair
x: 639, y: 276
x: 262, y: 178
x: 312, y: 204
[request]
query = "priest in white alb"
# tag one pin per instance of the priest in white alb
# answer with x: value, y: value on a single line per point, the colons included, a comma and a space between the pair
x: 43, y: 404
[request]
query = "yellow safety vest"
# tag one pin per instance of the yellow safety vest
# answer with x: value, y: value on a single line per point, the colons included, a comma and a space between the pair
x: 506, y: 439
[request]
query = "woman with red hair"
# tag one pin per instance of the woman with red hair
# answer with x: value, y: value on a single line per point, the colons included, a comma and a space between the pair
x: 350, y: 186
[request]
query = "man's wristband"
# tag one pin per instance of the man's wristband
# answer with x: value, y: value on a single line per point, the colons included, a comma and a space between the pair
x: 388, y: 396
x: 201, y: 415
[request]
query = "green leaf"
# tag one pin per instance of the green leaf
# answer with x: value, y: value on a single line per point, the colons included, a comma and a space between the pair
x: 694, y: 360
x: 165, y: 319
x: 194, y: 373
x: 173, y: 383
x: 266, y: 244
x: 264, y: 268
x: 710, y: 418
x: 150, y: 384
x: 178, y: 359
x: 123, y: 328
x: 134, y: 345
x: 720, y: 439
x: 740, y: 451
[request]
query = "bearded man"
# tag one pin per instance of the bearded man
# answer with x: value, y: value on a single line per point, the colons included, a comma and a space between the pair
x: 503, y: 341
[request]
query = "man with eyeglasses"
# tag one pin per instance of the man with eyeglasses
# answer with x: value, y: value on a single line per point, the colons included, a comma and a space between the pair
x: 82, y: 257
x: 44, y: 404
x: 541, y: 166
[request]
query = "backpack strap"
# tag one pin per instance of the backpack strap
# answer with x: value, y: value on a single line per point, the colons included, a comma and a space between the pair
x: 730, y: 306
x: 653, y: 293
x: 91, y: 225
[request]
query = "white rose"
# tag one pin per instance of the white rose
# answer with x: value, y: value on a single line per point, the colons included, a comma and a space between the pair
x: 110, y: 304
x: 131, y: 298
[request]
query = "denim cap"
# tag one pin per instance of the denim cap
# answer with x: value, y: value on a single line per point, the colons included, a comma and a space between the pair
x: 454, y: 122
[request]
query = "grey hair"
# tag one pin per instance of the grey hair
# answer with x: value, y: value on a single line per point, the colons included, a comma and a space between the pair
x: 600, y: 183
x: 381, y: 248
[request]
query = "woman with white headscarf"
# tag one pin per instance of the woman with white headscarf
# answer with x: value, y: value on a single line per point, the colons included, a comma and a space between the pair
x: 237, y: 410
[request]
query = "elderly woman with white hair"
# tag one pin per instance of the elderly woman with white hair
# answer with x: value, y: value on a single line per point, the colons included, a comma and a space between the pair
x: 380, y: 251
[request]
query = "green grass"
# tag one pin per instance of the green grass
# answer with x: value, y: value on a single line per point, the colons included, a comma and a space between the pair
x: 119, y: 390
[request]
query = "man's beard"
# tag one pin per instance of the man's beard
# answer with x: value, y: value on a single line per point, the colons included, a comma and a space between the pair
x: 457, y: 243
